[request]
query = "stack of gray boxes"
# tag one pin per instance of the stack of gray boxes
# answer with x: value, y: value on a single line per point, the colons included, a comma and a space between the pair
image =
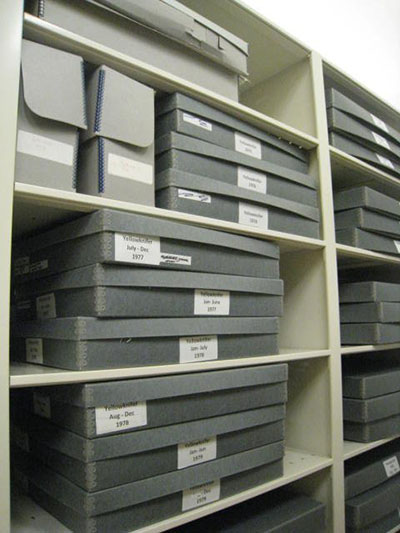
x: 355, y: 130
x: 372, y: 490
x: 369, y: 312
x: 213, y: 164
x: 116, y: 456
x: 367, y: 219
x: 371, y: 397
x: 114, y: 289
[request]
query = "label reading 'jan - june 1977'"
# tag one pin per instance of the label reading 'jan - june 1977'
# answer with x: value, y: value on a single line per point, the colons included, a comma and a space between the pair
x: 208, y: 302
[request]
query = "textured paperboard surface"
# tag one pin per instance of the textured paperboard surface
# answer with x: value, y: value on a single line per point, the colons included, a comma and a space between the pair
x: 370, y: 312
x: 387, y: 523
x: 373, y: 409
x: 369, y: 291
x: 373, y: 333
x: 368, y: 240
x: 368, y: 198
x: 369, y: 432
x: 368, y: 220
x: 375, y: 378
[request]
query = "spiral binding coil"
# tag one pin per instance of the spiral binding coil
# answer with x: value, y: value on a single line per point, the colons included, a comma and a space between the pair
x: 99, y: 100
x: 100, y: 155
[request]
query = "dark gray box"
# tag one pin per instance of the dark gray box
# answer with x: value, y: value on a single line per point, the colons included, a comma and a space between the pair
x: 355, y: 410
x: 368, y: 198
x: 369, y: 291
x: 370, y: 312
x: 109, y: 236
x: 375, y: 378
x: 387, y: 523
x: 182, y: 114
x: 197, y: 195
x: 368, y: 220
x: 371, y: 431
x: 368, y: 240
x: 370, y: 333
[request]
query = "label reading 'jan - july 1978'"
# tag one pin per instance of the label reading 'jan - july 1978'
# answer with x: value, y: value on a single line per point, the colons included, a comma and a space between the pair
x: 195, y: 349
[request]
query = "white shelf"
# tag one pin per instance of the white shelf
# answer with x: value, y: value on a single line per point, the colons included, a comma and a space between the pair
x: 28, y: 375
x: 28, y: 517
x: 352, y: 449
x: 350, y: 256
x: 368, y: 348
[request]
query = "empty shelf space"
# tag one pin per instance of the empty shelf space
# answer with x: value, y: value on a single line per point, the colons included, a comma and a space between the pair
x: 352, y: 449
x: 351, y: 257
x: 368, y: 348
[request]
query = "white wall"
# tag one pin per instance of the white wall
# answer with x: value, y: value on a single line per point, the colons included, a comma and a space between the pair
x: 361, y: 37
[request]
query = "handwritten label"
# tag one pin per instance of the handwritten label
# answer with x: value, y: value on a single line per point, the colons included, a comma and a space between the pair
x: 125, y: 167
x: 195, y: 349
x: 44, y: 147
x: 120, y: 417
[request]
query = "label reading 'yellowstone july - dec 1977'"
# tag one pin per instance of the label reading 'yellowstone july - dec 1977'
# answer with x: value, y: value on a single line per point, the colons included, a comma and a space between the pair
x: 194, y: 453
x: 122, y: 417
x: 200, y: 495
x: 195, y: 349
x: 141, y: 249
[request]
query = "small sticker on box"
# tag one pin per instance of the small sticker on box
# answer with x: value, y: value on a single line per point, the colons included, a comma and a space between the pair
x: 252, y: 180
x: 174, y: 259
x: 247, y: 145
x: 46, y: 306
x: 25, y: 304
x: 397, y: 244
x: 122, y: 417
x: 195, y: 349
x: 41, y: 405
x: 39, y: 265
x: 379, y: 123
x: 200, y: 495
x: 391, y: 466
x: 21, y: 266
x: 195, y: 196
x: 208, y: 302
x: 139, y: 249
x: 197, y: 121
x: 124, y: 167
x: 385, y: 161
x: 194, y: 453
x: 380, y: 140
x: 34, y: 351
x: 251, y: 215
x: 44, y: 147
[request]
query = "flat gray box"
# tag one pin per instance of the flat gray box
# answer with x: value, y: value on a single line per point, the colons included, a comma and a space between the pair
x: 197, y: 195
x: 374, y: 333
x: 387, y: 523
x: 119, y: 291
x: 375, y: 378
x: 164, y: 34
x: 373, y: 504
x: 188, y: 154
x: 51, y: 109
x: 371, y: 469
x: 117, y: 150
x: 368, y: 240
x: 183, y: 114
x: 368, y: 198
x: 279, y: 511
x: 372, y: 431
x: 369, y: 291
x: 387, y: 312
x: 368, y: 220
x: 109, y: 236
x: 371, y: 410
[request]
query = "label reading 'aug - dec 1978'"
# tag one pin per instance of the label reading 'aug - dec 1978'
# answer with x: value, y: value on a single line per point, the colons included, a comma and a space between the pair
x: 122, y: 417
x: 193, y: 453
x: 200, y: 495
x: 208, y: 302
x: 195, y: 349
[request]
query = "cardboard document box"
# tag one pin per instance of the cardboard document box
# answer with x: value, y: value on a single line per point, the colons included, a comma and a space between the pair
x: 369, y: 291
x: 373, y: 409
x: 188, y: 116
x: 368, y: 220
x: 372, y: 468
x: 97, y: 409
x: 375, y: 378
x: 117, y: 150
x: 373, y: 333
x: 121, y: 291
x: 368, y: 240
x: 197, y: 195
x: 51, y: 109
x: 372, y: 431
x: 370, y: 312
x: 162, y: 33
x: 109, y: 236
x: 279, y: 511
x: 367, y: 198
x: 195, y: 156
x: 389, y: 522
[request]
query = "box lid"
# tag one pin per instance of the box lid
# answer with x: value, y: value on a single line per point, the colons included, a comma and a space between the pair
x: 119, y: 108
x: 366, y: 197
x: 53, y: 84
x: 369, y: 291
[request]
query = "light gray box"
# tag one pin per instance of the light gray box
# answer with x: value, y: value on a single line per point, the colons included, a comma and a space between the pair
x: 368, y: 240
x: 371, y: 410
x: 120, y: 291
x: 109, y: 236
x: 368, y: 198
x: 368, y: 220
x: 369, y: 291
x: 182, y: 114
x: 187, y: 154
x: 51, y: 109
x: 373, y: 504
x: 165, y: 34
x: 370, y: 333
x: 197, y: 195
x: 375, y: 378
x: 371, y: 469
x: 387, y: 312
x: 372, y: 431
x: 117, y: 154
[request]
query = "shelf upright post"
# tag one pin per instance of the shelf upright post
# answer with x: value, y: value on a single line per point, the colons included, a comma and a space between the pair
x: 10, y: 46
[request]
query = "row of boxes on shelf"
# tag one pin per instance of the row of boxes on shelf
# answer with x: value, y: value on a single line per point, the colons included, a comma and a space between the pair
x: 123, y: 454
x: 372, y: 490
x: 207, y: 162
x: 146, y: 290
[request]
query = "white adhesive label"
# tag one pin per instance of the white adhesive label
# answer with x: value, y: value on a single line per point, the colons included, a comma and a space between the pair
x: 46, y: 306
x: 211, y: 302
x: 195, y: 349
x: 34, y: 351
x: 21, y: 438
x: 137, y: 249
x: 41, y: 405
x: 397, y: 244
x: 385, y: 161
x: 200, y: 495
x: 39, y: 265
x: 247, y: 145
x: 194, y: 453
x: 197, y: 121
x: 251, y: 215
x: 131, y: 169
x: 173, y: 259
x: 391, y: 466
x: 195, y: 196
x: 21, y: 266
x: 398, y: 510
x: 251, y: 180
x: 120, y: 417
x: 45, y: 148
x: 379, y: 123
x: 380, y: 140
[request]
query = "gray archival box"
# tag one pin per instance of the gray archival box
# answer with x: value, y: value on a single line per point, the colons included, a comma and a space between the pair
x: 367, y: 198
